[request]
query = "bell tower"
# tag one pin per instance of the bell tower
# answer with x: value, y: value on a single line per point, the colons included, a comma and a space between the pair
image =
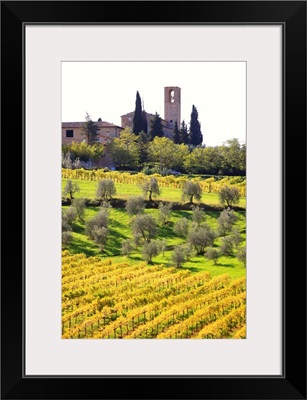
x: 172, y: 105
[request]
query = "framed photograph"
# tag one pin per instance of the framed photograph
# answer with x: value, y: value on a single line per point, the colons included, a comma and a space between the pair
x: 159, y: 146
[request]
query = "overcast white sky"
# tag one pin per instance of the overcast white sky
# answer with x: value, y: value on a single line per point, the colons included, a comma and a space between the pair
x: 107, y: 90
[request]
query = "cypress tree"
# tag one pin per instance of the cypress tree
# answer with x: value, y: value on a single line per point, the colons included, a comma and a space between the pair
x: 196, y: 138
x: 138, y: 116
x: 184, y: 133
x: 176, y: 134
x: 144, y: 139
x: 156, y: 128
x: 145, y: 126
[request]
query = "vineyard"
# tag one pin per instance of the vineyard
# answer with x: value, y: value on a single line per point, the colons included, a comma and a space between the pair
x: 209, y: 185
x: 101, y: 299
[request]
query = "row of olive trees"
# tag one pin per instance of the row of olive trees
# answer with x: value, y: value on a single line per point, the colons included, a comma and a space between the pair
x: 106, y: 190
x: 74, y: 212
x: 200, y: 236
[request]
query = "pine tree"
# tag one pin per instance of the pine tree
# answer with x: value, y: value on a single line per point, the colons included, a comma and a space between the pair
x: 184, y: 133
x: 176, y: 134
x: 90, y: 130
x: 196, y: 138
x: 156, y: 128
x: 138, y: 116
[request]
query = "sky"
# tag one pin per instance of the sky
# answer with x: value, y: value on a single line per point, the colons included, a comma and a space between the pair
x: 107, y: 90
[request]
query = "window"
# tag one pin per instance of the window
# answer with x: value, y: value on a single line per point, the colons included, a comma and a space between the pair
x: 69, y: 133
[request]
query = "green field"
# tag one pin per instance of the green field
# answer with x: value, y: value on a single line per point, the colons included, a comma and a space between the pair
x: 120, y: 229
x: 88, y: 190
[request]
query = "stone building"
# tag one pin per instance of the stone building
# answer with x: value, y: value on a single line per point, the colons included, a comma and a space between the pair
x: 72, y: 131
x: 172, y: 112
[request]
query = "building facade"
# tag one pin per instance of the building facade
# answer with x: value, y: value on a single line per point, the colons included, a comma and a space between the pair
x: 72, y: 132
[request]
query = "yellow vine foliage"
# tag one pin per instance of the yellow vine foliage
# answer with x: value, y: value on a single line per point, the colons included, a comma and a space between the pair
x: 106, y: 300
x: 209, y: 185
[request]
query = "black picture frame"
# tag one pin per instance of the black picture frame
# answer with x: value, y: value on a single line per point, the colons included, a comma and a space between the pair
x: 292, y: 16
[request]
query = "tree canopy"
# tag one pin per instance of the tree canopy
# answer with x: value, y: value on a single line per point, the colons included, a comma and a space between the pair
x: 90, y: 130
x: 156, y: 127
x: 196, y: 137
x: 125, y: 149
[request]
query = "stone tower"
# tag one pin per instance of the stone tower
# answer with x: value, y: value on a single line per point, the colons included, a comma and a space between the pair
x: 172, y: 105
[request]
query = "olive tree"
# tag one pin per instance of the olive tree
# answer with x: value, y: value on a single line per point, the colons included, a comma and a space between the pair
x: 144, y: 228
x: 127, y: 247
x: 227, y: 246
x: 201, y: 237
x: 181, y: 227
x: 66, y: 237
x: 226, y: 221
x: 71, y: 188
x: 97, y: 228
x: 229, y: 195
x: 68, y: 217
x: 191, y: 190
x: 212, y: 254
x: 181, y: 254
x: 135, y: 205
x: 79, y: 205
x: 152, y: 249
x: 164, y: 212
x: 241, y: 255
x: 236, y: 237
x: 198, y: 215
x: 150, y: 186
x: 105, y: 189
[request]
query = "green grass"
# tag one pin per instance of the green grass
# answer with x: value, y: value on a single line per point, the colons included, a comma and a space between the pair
x: 120, y: 229
x: 88, y: 190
